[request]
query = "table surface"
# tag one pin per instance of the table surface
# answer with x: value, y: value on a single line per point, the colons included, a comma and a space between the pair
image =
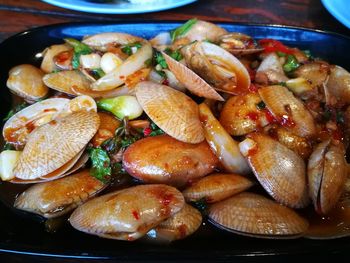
x: 17, y: 16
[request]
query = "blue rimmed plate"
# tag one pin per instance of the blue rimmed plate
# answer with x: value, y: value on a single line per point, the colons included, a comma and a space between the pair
x: 118, y: 6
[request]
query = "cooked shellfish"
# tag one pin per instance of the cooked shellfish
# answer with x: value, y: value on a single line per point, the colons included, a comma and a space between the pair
x: 128, y: 214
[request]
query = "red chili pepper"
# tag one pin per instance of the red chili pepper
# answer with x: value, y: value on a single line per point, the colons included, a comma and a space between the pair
x: 253, y: 116
x: 272, y: 45
x: 252, y: 88
x: 165, y: 82
x: 147, y: 131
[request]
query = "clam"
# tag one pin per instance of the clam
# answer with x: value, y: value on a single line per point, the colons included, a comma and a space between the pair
x: 54, y: 144
x: 20, y: 125
x: 103, y: 40
x: 315, y: 72
x: 218, y: 67
x: 162, y: 159
x: 56, y: 198
x: 239, y: 44
x: 288, y: 110
x: 174, y: 112
x: 181, y: 225
x: 26, y: 81
x: 58, y: 173
x: 278, y: 169
x: 299, y: 145
x: 222, y: 144
x: 327, y: 174
x: 241, y: 115
x: 120, y: 91
x: 270, y: 71
x: 216, y: 187
x: 256, y: 216
x: 127, y: 214
x: 339, y: 84
x: 191, y: 80
x: 67, y: 80
x: 118, y: 76
x: 48, y: 63
x: 202, y: 30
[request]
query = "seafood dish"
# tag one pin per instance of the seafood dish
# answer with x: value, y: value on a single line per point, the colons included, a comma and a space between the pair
x: 129, y: 138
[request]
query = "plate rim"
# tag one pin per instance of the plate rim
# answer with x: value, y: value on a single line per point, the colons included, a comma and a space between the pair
x: 106, y: 10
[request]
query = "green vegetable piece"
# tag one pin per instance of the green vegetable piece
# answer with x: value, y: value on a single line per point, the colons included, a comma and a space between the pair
x: 127, y: 49
x: 160, y: 60
x: 17, y: 108
x: 281, y: 54
x: 261, y: 105
x: 176, y: 55
x: 181, y: 30
x: 122, y: 106
x: 101, y: 164
x: 97, y: 73
x: 79, y: 49
x: 8, y: 146
x: 291, y: 64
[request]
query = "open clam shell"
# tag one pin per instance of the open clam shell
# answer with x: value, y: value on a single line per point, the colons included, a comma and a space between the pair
x: 56, y: 198
x: 101, y: 41
x: 174, y: 112
x: 58, y: 173
x: 239, y: 44
x: 289, y: 111
x: 181, y: 225
x: 66, y: 80
x: 191, y: 80
x: 128, y: 214
x: 278, y: 169
x: 339, y: 84
x: 218, y: 67
x: 216, y: 187
x: 20, y: 125
x: 327, y: 175
x: 254, y: 215
x: 54, y: 144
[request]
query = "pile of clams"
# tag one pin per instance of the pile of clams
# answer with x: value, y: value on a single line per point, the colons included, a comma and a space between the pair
x: 132, y: 138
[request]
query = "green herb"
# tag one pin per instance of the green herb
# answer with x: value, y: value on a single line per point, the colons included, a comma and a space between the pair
x: 155, y: 130
x: 160, y: 60
x: 117, y: 168
x: 127, y: 49
x: 176, y: 55
x: 101, y: 168
x: 281, y: 54
x: 291, y: 64
x: 284, y: 84
x: 161, y: 73
x: 17, y: 108
x: 261, y: 105
x: 55, y: 71
x: 201, y: 205
x: 308, y: 54
x: 182, y: 29
x: 8, y: 146
x: 148, y: 62
x: 79, y: 49
x: 340, y: 117
x: 97, y: 73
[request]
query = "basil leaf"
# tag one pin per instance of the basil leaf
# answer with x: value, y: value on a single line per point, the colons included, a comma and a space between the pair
x: 101, y: 164
x: 182, y: 29
x: 160, y: 60
x: 291, y: 64
x: 17, y: 108
x: 79, y: 49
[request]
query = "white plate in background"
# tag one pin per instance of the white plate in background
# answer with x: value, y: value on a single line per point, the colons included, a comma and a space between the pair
x: 118, y: 6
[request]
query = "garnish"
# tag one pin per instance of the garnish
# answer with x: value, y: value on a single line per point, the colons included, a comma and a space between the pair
x: 101, y: 164
x: 181, y: 30
x: 79, y: 49
x: 291, y: 64
x: 131, y: 48
x: 17, y: 108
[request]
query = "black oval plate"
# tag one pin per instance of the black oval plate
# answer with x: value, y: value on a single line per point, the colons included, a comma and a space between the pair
x: 24, y: 236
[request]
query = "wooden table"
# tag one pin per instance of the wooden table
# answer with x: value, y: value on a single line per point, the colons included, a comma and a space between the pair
x: 19, y: 15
